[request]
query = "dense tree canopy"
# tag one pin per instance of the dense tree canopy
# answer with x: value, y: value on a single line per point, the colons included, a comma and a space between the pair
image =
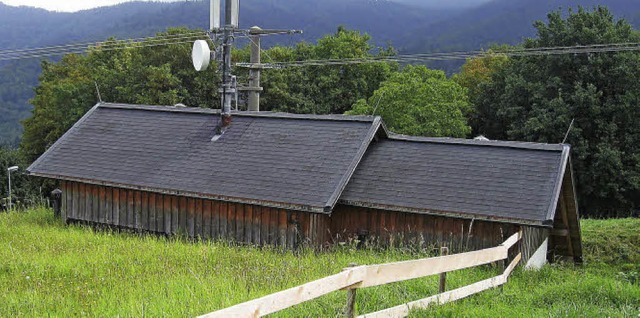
x: 419, y: 101
x: 138, y: 74
x: 536, y: 98
x: 327, y: 89
x: 474, y: 75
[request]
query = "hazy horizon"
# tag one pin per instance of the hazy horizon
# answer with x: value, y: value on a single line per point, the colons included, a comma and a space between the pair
x: 75, y: 6
x: 71, y: 6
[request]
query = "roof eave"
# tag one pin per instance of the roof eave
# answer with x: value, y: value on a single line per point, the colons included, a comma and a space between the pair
x: 460, y: 215
x: 272, y: 204
x: 64, y: 137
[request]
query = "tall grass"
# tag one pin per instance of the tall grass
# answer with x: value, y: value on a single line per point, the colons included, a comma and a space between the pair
x: 49, y: 269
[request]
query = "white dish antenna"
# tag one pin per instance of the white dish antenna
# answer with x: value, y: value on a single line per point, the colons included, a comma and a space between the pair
x: 201, y: 55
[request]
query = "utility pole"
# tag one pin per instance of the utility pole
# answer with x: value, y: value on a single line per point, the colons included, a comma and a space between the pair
x: 254, y: 71
x: 255, y: 65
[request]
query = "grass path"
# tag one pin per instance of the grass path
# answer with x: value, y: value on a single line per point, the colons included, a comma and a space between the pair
x: 48, y: 269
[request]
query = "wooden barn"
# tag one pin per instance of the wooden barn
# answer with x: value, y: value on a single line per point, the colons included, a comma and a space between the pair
x: 287, y: 180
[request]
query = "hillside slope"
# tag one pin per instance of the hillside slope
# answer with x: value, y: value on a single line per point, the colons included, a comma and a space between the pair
x: 500, y: 21
x: 24, y: 27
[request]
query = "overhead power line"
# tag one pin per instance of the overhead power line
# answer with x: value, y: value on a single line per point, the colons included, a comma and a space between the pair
x: 109, y: 45
x: 85, y: 44
x: 182, y: 38
x: 17, y: 54
x: 445, y: 56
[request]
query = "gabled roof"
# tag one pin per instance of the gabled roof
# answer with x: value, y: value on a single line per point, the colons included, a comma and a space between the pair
x: 307, y: 163
x: 491, y: 180
x: 281, y: 160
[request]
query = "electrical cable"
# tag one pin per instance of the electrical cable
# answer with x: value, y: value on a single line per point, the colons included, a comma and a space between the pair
x: 168, y: 39
x: 6, y: 55
x: 578, y: 49
x: 85, y: 44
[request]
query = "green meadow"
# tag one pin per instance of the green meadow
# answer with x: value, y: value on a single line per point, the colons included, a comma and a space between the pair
x: 49, y: 269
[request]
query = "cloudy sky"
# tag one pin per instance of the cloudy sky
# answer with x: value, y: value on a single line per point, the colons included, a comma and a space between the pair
x: 65, y: 5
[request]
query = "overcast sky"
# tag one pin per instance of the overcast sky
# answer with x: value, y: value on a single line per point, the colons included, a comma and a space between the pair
x: 65, y: 5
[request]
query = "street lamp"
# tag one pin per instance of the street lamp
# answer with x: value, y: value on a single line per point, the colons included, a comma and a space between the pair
x: 9, y: 170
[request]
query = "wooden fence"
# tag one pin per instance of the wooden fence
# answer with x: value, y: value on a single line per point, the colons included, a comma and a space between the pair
x: 357, y: 277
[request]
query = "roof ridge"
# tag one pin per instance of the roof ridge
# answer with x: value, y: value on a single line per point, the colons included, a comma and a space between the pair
x: 362, y: 150
x: 481, y: 143
x: 278, y: 115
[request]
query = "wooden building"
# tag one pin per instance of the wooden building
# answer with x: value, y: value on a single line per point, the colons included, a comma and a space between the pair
x: 287, y: 180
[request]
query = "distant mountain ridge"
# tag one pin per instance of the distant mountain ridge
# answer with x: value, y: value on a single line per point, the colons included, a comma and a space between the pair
x: 23, y: 26
x: 500, y: 22
x: 444, y: 4
x: 412, y: 26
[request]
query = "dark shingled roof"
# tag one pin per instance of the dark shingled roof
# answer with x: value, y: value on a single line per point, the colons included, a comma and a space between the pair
x: 307, y: 162
x: 491, y: 180
x: 282, y: 160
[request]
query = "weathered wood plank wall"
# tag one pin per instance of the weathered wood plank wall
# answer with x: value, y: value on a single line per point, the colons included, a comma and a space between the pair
x: 192, y: 217
x: 259, y: 225
x: 565, y: 239
x: 395, y: 228
x: 532, y: 238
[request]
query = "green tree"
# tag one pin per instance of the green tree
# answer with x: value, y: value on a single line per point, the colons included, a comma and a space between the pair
x: 536, y: 98
x: 324, y: 89
x: 475, y: 74
x: 143, y: 73
x: 419, y: 101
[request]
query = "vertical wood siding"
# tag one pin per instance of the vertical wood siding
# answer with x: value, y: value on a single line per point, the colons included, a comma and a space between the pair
x: 259, y: 225
x: 421, y: 230
x: 566, y: 242
x: 192, y: 217
x: 532, y: 238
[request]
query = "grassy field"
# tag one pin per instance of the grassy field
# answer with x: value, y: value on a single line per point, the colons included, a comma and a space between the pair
x: 48, y: 269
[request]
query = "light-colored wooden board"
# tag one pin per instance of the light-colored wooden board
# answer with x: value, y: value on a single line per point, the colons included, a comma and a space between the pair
x: 400, y: 271
x: 293, y: 296
x: 446, y: 297
x: 512, y: 266
x: 512, y: 240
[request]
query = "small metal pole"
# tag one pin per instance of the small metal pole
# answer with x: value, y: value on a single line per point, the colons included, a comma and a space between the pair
x: 350, y: 311
x: 444, y: 251
x: 9, y: 170
x: 9, y: 174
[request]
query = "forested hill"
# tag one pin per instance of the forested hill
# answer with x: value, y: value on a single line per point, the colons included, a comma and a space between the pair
x: 410, y: 25
x: 499, y: 22
x: 23, y: 27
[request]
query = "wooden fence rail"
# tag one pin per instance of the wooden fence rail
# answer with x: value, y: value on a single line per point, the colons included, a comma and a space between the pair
x: 381, y: 274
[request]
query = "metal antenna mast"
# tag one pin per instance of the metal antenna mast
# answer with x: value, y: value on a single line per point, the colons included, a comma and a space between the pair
x: 202, y: 55
x: 228, y: 90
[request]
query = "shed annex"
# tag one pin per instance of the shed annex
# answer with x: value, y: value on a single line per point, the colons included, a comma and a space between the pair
x: 286, y: 180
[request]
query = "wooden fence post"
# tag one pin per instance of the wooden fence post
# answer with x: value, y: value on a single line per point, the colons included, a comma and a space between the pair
x: 444, y: 251
x: 350, y: 310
